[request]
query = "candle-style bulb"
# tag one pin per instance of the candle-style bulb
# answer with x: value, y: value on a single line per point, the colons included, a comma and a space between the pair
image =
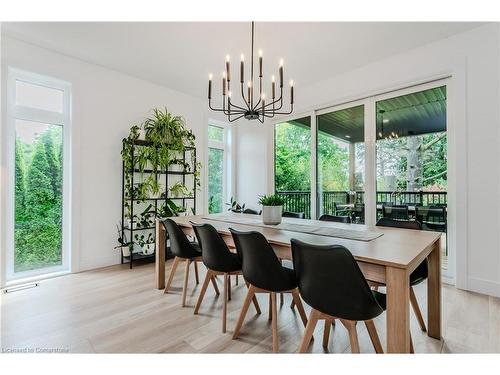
x: 227, y: 58
x: 273, y: 79
x: 291, y: 83
x: 260, y: 53
x: 281, y: 62
x: 242, y: 57
x: 229, y: 93
x: 210, y: 77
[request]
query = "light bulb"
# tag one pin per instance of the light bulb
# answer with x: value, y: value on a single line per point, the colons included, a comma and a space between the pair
x: 242, y: 57
x: 263, y: 96
x: 227, y: 57
x: 223, y: 74
x: 291, y: 83
x: 273, y: 79
x: 229, y: 93
x: 210, y: 76
x: 281, y: 62
x: 260, y: 53
x: 249, y: 84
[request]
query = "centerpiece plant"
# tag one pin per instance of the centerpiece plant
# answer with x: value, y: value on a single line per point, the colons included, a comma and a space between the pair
x: 272, y: 208
x: 151, y: 148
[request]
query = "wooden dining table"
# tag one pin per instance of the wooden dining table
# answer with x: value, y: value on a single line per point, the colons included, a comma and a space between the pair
x: 388, y: 259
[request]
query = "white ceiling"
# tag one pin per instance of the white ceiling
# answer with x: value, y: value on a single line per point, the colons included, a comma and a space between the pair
x: 181, y: 55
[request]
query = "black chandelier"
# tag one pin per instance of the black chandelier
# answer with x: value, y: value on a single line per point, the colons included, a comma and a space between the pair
x: 252, y: 109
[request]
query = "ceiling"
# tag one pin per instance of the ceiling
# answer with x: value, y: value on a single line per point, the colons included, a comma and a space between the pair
x: 181, y: 55
x: 417, y: 113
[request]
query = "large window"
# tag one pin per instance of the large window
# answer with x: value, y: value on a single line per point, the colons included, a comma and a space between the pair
x: 292, y: 164
x: 39, y: 122
x: 219, y: 167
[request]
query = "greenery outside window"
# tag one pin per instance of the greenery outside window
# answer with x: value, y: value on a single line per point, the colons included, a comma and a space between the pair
x: 219, y: 162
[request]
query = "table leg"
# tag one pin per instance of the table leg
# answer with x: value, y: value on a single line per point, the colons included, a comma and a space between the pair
x: 160, y: 255
x: 398, y: 310
x: 434, y: 291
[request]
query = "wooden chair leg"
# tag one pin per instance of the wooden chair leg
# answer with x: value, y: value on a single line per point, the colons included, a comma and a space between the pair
x: 226, y: 297
x: 326, y: 333
x: 416, y: 309
x: 204, y: 287
x: 308, y: 332
x: 196, y: 276
x: 292, y: 305
x: 184, y: 288
x: 255, y: 302
x: 353, y: 334
x: 172, y: 273
x: 300, y: 307
x: 270, y: 317
x: 412, y: 349
x: 214, y: 283
x: 237, y: 279
x: 372, y: 331
x: 244, y: 309
x: 274, y: 309
x: 229, y: 288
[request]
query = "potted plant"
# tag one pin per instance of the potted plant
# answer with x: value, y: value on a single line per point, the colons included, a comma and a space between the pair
x: 124, y: 245
x: 272, y: 207
x: 235, y: 206
x: 146, y: 243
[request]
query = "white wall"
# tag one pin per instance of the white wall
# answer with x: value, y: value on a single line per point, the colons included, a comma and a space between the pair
x: 471, y: 58
x: 105, y: 104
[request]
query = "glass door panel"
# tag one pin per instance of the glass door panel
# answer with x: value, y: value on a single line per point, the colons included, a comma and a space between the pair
x: 292, y: 164
x: 341, y: 164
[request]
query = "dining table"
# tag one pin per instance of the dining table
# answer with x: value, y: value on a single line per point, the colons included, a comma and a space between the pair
x: 386, y: 256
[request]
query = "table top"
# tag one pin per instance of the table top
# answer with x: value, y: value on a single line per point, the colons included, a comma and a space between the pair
x: 401, y: 248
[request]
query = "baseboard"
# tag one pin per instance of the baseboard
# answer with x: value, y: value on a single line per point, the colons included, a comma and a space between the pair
x: 483, y: 286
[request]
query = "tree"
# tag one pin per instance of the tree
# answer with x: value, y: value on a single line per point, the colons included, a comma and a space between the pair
x: 20, y: 194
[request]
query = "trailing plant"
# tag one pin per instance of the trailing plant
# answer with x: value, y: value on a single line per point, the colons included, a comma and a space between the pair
x: 143, y: 240
x: 271, y: 200
x: 122, y: 238
x: 235, y: 206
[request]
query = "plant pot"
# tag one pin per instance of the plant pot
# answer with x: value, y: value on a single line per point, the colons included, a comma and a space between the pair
x: 132, y: 225
x: 271, y: 214
x: 148, y: 248
x: 125, y: 251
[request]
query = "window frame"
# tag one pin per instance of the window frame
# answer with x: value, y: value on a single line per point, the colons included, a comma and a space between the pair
x: 19, y: 112
x: 228, y: 157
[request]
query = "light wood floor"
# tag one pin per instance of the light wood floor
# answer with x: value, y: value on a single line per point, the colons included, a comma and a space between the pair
x: 114, y: 310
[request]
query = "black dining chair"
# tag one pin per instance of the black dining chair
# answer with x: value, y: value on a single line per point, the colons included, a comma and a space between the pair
x: 297, y: 215
x: 183, y: 250
x: 265, y: 274
x: 420, y: 273
x: 250, y: 211
x: 218, y: 260
x: 331, y: 282
x: 397, y: 212
x: 336, y: 219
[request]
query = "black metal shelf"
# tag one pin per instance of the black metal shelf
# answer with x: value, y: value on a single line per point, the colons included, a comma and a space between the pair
x: 190, y: 169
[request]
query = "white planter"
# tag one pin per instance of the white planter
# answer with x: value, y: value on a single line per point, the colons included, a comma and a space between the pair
x: 125, y: 251
x: 148, y: 248
x: 271, y: 214
x: 134, y: 224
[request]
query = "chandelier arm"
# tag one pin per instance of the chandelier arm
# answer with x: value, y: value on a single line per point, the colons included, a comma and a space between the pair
x: 237, y: 118
x: 222, y: 110
x: 285, y: 113
x: 243, y: 96
x: 280, y: 99
x: 237, y: 106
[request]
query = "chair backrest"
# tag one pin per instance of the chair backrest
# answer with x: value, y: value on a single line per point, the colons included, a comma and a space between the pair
x: 215, y: 253
x: 337, y: 219
x: 297, y: 215
x: 330, y: 281
x: 179, y: 243
x: 422, y: 269
x: 404, y: 224
x: 260, y: 265
x: 250, y: 211
x: 399, y: 212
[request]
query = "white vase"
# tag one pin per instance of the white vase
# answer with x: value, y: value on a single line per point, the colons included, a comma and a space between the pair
x: 148, y: 248
x: 125, y: 251
x: 271, y: 214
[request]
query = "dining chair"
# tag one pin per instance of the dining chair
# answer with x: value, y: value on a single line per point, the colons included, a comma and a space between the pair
x: 420, y: 273
x: 183, y: 250
x: 398, y: 212
x: 297, y: 215
x: 336, y: 219
x: 218, y: 260
x: 265, y: 274
x: 330, y: 281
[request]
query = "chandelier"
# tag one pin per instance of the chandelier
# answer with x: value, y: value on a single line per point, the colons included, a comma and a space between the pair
x: 252, y: 108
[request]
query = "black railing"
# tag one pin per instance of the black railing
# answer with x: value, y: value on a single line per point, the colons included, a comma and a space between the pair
x: 300, y: 201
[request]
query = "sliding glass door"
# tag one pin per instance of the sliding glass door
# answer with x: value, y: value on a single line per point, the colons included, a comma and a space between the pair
x: 292, y: 164
x: 340, y: 159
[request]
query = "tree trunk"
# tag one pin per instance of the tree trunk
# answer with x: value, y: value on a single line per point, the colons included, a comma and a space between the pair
x: 414, y: 170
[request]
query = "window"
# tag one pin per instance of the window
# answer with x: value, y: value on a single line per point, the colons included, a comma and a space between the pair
x: 219, y: 167
x: 38, y: 114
